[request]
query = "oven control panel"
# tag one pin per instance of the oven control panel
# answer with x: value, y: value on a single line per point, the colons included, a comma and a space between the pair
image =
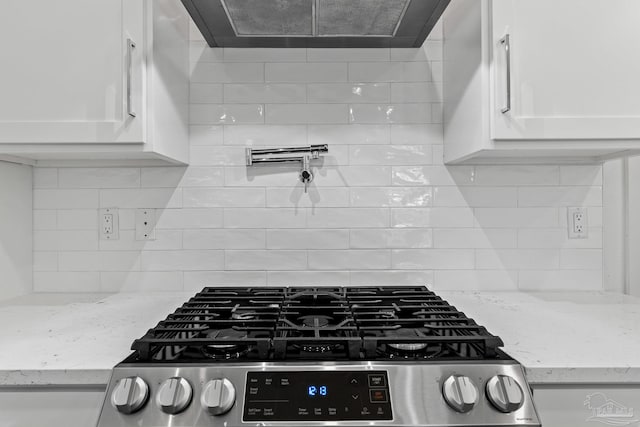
x: 317, y: 396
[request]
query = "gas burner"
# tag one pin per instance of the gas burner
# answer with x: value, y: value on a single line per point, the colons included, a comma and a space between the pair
x: 315, y: 321
x: 406, y: 346
x: 243, y: 315
x: 221, y: 350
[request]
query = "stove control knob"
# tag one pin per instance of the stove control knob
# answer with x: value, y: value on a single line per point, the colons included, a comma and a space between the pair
x: 174, y: 395
x: 460, y: 393
x: 218, y: 396
x: 505, y: 393
x: 129, y: 394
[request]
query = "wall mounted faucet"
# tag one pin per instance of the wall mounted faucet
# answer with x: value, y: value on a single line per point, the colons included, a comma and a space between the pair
x: 281, y: 155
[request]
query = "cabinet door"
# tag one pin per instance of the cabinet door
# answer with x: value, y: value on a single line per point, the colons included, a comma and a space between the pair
x: 574, y: 69
x: 65, y: 71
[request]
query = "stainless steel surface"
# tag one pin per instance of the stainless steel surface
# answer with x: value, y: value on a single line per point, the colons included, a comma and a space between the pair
x: 504, y: 393
x: 129, y: 394
x: 460, y: 393
x: 130, y: 46
x: 506, y: 42
x: 174, y: 395
x: 309, y: 153
x: 218, y: 396
x: 315, y: 23
x: 415, y: 394
x: 320, y: 148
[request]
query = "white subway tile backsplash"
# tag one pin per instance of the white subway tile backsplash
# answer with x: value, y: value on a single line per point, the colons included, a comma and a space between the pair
x: 45, y: 178
x: 196, y: 280
x: 431, y: 217
x: 382, y: 208
x: 205, y: 93
x: 390, y: 155
x: 522, y: 259
x: 340, y: 134
x: 182, y: 260
x: 559, y: 196
x: 306, y: 73
x: 269, y: 135
x: 347, y: 218
x: 354, y: 259
x: 391, y: 196
x: 142, y: 198
x: 327, y: 93
x: 497, y: 238
x: 306, y: 113
x: 386, y: 113
x: 223, y: 197
x: 389, y: 72
x: 264, y: 93
x: 224, y: 239
x: 225, y: 114
x: 219, y: 72
x: 264, y: 55
x: 348, y: 54
x: 265, y: 260
x: 136, y: 281
x: 188, y: 218
x: 432, y: 259
x: 307, y: 239
x: 264, y: 218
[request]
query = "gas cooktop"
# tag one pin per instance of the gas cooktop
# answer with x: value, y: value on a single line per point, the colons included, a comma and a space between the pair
x: 365, y: 323
x: 267, y: 357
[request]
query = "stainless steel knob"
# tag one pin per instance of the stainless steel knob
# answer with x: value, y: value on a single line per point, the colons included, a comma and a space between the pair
x: 129, y: 394
x: 174, y: 395
x: 505, y: 393
x: 460, y: 393
x: 218, y: 396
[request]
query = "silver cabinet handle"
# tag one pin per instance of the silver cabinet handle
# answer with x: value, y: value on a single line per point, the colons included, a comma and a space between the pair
x: 130, y: 46
x: 505, y: 41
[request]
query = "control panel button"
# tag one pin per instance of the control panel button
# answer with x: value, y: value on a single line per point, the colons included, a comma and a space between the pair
x: 218, y: 396
x: 378, y: 396
x: 129, y: 394
x: 460, y: 393
x: 504, y: 393
x: 174, y: 395
x: 377, y: 381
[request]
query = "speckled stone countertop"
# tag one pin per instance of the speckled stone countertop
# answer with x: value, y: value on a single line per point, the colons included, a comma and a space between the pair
x: 75, y: 339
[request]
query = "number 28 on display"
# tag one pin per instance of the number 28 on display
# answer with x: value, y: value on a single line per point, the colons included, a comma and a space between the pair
x: 320, y: 390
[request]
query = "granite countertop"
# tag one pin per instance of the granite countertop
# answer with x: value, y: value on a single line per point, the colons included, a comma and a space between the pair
x: 75, y: 339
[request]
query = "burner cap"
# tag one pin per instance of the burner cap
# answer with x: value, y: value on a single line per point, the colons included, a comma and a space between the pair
x: 315, y: 321
x: 406, y: 346
x: 243, y: 315
x: 219, y: 335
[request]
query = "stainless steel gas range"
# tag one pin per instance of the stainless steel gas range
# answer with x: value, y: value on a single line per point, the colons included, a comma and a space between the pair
x: 354, y: 356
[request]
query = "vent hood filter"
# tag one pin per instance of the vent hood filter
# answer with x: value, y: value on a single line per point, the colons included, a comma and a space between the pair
x: 251, y: 18
x: 359, y: 17
x: 315, y: 23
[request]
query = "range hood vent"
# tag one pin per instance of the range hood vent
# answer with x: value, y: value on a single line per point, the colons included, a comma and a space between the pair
x: 315, y: 23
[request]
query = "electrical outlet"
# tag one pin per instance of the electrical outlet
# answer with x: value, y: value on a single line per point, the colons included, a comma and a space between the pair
x: 108, y: 223
x: 577, y: 223
x: 145, y: 224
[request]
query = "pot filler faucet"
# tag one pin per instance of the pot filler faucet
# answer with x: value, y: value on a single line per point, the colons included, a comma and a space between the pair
x: 281, y: 155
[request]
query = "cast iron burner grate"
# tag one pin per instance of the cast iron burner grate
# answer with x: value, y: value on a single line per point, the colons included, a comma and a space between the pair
x: 303, y: 323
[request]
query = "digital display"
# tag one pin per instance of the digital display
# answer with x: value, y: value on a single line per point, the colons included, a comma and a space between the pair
x: 317, y: 396
x: 319, y: 390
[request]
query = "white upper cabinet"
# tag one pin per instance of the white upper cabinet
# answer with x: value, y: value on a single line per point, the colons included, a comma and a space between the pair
x: 90, y: 80
x: 541, y: 80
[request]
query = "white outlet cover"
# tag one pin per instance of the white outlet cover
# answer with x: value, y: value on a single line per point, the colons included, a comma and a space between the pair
x: 102, y: 223
x: 577, y: 223
x: 145, y: 224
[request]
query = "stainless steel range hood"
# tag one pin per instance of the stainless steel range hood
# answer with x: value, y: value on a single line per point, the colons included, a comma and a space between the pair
x: 315, y: 23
